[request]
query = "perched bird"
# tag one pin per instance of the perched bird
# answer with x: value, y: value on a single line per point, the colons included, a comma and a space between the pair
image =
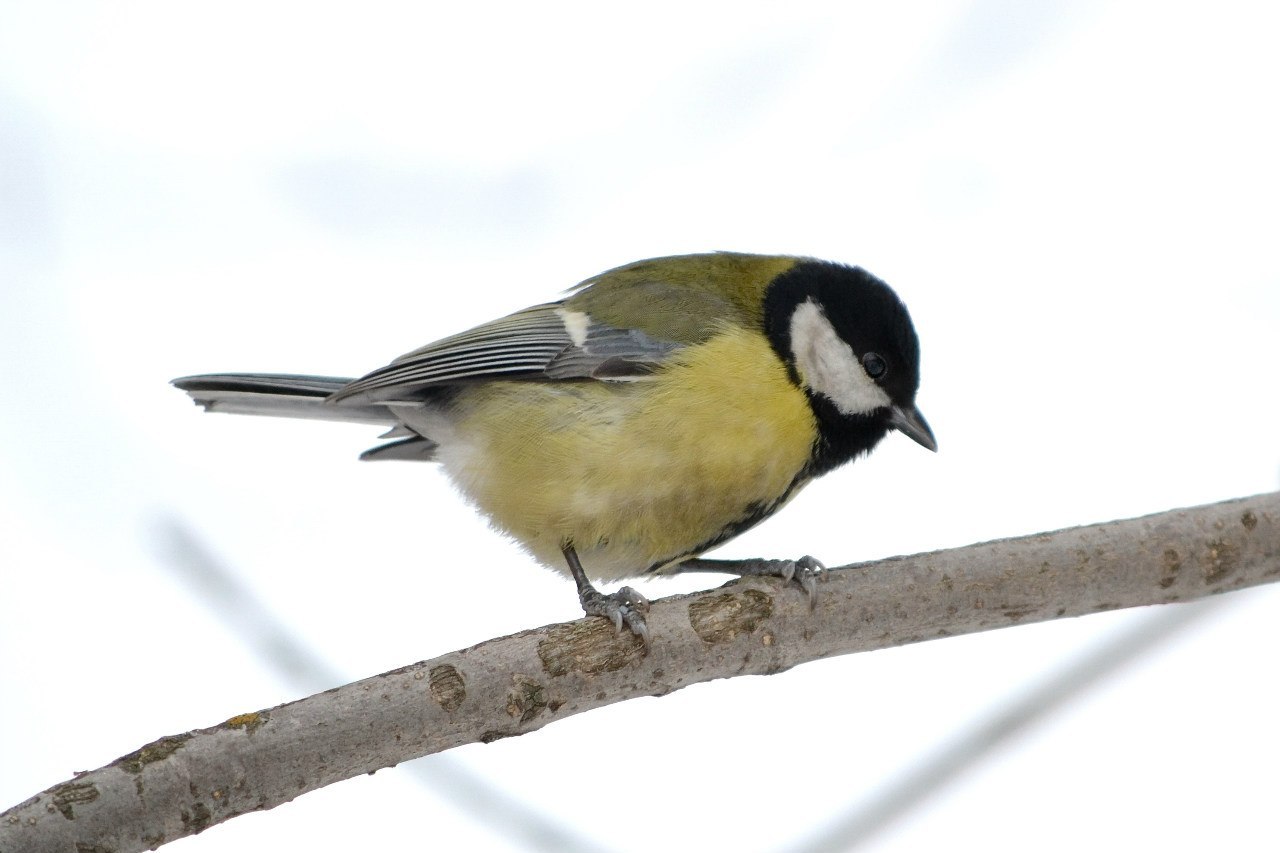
x: 658, y: 410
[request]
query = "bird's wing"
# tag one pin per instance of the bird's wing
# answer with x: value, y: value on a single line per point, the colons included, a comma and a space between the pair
x: 546, y: 342
x: 621, y: 324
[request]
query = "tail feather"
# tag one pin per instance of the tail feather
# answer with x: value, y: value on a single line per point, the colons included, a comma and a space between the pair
x: 416, y: 449
x: 279, y: 395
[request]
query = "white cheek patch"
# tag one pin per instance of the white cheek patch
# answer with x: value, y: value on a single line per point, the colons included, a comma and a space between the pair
x: 576, y: 324
x: 827, y: 365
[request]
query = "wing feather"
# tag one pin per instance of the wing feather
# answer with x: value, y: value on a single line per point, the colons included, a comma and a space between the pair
x: 546, y: 342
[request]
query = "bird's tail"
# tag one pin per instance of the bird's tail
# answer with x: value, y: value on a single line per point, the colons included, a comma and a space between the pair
x: 286, y: 396
x: 279, y: 395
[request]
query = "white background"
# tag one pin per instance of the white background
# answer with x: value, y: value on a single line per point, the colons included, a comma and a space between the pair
x: 1078, y: 201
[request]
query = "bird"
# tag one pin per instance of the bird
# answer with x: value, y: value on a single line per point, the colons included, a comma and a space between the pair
x: 654, y: 412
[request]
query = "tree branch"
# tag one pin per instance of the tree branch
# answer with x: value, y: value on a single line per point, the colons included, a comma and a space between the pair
x: 180, y: 785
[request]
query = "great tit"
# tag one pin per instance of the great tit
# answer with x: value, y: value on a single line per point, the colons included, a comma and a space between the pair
x: 658, y: 410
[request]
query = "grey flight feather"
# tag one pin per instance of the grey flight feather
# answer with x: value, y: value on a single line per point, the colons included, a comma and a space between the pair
x: 546, y: 342
x: 537, y: 343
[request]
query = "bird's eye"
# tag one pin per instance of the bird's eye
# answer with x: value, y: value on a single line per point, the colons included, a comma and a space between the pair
x: 874, y: 365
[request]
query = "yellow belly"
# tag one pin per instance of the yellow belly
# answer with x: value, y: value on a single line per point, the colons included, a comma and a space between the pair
x: 632, y: 474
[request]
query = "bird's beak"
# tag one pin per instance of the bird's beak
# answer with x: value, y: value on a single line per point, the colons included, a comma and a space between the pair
x: 912, y: 424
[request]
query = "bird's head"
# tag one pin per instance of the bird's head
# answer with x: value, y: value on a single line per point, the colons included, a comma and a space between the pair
x: 848, y: 341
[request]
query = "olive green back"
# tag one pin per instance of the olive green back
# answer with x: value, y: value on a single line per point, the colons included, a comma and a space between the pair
x: 684, y: 299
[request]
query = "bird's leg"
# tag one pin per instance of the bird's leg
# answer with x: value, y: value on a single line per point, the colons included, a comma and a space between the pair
x: 803, y: 571
x: 624, y: 607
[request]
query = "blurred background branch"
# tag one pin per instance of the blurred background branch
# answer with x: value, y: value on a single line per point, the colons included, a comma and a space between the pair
x: 217, y: 588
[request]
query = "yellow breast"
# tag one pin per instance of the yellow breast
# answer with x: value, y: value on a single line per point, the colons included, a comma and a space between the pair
x: 633, y: 474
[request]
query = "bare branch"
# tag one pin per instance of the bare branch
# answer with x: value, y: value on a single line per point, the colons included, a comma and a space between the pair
x: 182, y: 784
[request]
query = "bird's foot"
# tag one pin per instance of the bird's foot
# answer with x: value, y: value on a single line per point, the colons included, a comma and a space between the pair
x: 804, y: 571
x: 624, y: 607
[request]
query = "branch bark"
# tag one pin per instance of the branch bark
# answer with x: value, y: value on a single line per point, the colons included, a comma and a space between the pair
x: 182, y: 784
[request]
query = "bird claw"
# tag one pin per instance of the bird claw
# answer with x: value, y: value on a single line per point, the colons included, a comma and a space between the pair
x: 804, y: 572
x: 624, y: 607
